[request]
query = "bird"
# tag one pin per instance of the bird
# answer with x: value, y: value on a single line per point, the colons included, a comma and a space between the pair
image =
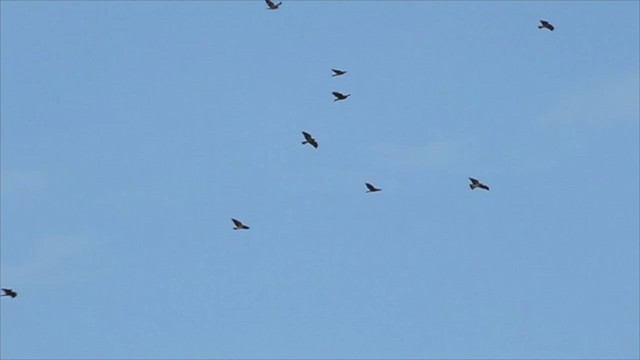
x: 308, y: 139
x: 9, y: 292
x: 272, y: 5
x: 340, y: 96
x: 475, y: 183
x: 239, y: 225
x: 371, y: 188
x: 337, y: 72
x: 545, y: 24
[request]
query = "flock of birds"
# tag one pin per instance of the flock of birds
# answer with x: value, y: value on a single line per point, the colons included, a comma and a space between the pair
x: 309, y: 139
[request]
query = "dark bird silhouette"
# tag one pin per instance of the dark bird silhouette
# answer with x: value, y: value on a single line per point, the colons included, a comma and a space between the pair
x: 371, y: 188
x: 9, y: 292
x: 340, y: 96
x: 308, y: 139
x: 337, y: 72
x: 239, y: 225
x: 545, y: 24
x: 477, y: 184
x: 272, y: 5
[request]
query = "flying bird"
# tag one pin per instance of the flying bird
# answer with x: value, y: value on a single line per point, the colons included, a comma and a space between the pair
x: 371, y: 188
x: 340, y: 96
x: 545, y: 24
x: 475, y: 183
x: 239, y: 225
x: 272, y: 5
x: 337, y: 72
x: 308, y: 139
x: 9, y: 292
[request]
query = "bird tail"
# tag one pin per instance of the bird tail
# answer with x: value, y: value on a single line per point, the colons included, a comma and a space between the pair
x: 471, y: 186
x: 305, y: 142
x: 540, y: 26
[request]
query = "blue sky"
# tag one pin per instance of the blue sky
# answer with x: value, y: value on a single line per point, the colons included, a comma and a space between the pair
x: 132, y: 131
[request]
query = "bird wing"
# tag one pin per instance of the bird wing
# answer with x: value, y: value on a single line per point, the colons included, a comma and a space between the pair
x: 270, y: 3
x: 474, y: 181
x: 547, y: 24
x: 9, y: 292
x: 483, y: 186
x: 307, y: 136
x: 237, y: 223
x: 370, y: 187
x: 313, y: 143
x: 337, y: 94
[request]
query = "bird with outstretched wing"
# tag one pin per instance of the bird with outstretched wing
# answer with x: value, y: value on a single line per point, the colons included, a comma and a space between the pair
x: 337, y: 72
x: 340, y: 96
x: 372, y: 188
x: 544, y: 24
x: 475, y: 183
x: 239, y: 225
x: 9, y: 292
x: 272, y: 5
x: 308, y: 139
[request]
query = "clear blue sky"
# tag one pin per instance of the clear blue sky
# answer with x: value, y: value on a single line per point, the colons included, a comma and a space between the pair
x: 132, y: 131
